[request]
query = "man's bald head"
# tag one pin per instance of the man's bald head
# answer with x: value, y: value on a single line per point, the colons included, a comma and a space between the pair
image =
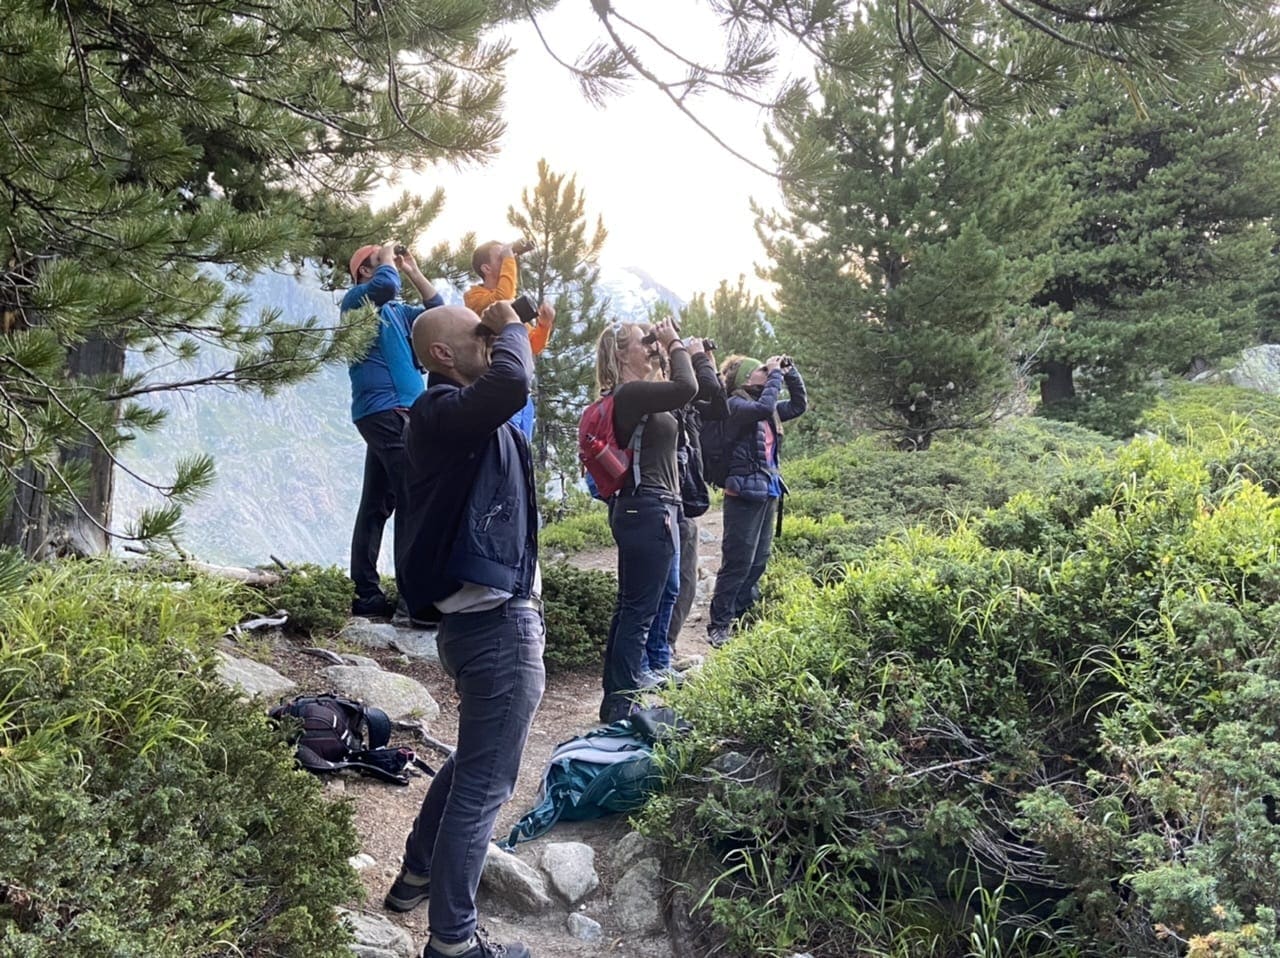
x: 449, y: 340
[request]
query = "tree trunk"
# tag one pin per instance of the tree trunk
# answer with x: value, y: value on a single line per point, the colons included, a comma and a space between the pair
x: 1058, y: 384
x: 30, y: 522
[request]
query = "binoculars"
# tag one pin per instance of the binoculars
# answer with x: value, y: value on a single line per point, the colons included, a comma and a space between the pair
x: 648, y: 339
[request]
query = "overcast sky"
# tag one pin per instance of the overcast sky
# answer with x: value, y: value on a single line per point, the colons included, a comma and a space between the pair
x: 674, y: 203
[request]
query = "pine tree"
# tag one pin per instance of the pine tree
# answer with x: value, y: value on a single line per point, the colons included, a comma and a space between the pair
x: 149, y: 151
x: 736, y: 319
x: 562, y: 269
x: 1170, y: 258
x: 908, y: 244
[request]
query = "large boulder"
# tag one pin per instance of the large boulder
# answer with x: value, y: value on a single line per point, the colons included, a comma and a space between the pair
x: 252, y: 678
x: 376, y: 937
x: 402, y: 698
x: 571, y: 868
x: 637, y: 897
x: 509, y: 879
x: 1258, y: 369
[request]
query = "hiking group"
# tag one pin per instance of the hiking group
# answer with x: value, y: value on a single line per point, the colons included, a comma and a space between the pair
x: 451, y: 458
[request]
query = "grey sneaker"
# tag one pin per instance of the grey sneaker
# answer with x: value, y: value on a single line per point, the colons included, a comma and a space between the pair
x: 717, y: 637
x: 669, y: 674
x: 484, y: 948
x: 408, y: 891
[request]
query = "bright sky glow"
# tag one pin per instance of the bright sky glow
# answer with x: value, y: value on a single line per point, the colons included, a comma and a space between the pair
x: 674, y: 203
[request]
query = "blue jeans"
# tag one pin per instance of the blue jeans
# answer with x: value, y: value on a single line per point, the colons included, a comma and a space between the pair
x: 657, y: 649
x: 688, y: 578
x: 744, y: 552
x: 644, y: 528
x: 495, y: 659
x: 384, y: 470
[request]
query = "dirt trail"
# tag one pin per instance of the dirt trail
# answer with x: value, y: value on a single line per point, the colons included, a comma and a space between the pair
x: 384, y: 814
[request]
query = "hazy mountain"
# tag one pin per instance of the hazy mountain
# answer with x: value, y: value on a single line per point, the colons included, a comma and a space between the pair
x: 289, y: 467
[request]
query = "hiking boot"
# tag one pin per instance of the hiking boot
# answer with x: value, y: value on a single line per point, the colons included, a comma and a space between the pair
x: 408, y: 891
x: 717, y: 637
x: 484, y: 948
x: 374, y: 607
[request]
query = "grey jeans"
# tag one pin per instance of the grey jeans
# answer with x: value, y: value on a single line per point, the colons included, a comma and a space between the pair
x: 688, y: 577
x: 495, y: 659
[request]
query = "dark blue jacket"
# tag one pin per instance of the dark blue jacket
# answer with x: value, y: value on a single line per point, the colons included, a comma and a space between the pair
x: 471, y: 510
x: 751, y: 475
x: 388, y: 377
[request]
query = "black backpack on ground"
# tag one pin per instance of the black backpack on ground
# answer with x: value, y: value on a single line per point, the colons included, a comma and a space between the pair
x: 333, y: 735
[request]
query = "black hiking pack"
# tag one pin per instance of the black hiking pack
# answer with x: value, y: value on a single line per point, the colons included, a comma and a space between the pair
x: 695, y: 498
x: 715, y: 451
x: 332, y: 737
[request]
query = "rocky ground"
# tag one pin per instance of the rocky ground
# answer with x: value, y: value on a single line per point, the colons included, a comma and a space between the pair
x: 583, y: 889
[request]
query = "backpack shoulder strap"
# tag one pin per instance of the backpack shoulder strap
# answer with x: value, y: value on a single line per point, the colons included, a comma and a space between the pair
x: 378, y: 724
x: 634, y: 446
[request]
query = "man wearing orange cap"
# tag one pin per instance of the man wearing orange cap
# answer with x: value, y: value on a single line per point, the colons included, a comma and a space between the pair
x: 384, y: 385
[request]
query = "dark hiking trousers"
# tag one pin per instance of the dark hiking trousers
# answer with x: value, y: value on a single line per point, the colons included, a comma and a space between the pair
x: 644, y: 529
x: 384, y: 467
x: 744, y: 553
x: 495, y: 659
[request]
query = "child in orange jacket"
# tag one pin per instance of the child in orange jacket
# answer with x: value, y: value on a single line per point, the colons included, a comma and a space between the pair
x: 495, y: 264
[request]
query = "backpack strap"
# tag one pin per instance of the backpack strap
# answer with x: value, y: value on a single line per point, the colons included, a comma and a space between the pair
x: 634, y: 446
x: 378, y: 724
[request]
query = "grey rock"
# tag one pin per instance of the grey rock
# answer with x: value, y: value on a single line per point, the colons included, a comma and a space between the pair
x: 252, y: 678
x: 707, y: 537
x: 417, y: 644
x: 583, y: 928
x: 361, y: 861
x: 519, y: 885
x: 745, y: 770
x: 363, y: 661
x: 1258, y: 369
x: 376, y: 937
x: 571, y: 868
x: 370, y: 635
x: 629, y: 849
x: 398, y: 695
x: 636, y: 898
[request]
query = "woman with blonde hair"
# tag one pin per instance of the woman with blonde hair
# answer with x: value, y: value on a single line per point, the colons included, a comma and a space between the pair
x: 643, y: 515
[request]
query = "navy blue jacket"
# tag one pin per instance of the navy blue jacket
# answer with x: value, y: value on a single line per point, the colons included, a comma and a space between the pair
x: 751, y: 475
x: 471, y: 510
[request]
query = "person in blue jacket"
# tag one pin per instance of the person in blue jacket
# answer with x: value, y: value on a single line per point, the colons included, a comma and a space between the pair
x: 384, y: 384
x: 753, y: 439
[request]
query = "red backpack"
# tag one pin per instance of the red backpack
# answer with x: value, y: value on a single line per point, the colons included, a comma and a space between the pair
x: 603, y: 460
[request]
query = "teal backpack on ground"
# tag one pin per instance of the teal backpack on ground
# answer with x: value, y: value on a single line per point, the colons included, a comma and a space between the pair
x: 604, y: 771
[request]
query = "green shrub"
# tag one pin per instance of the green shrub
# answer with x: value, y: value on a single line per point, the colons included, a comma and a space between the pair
x: 584, y: 530
x: 145, y: 811
x: 578, y: 606
x: 318, y: 599
x: 849, y: 497
x: 1059, y: 717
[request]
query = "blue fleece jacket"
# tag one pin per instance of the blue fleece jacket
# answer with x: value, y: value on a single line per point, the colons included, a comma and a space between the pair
x: 388, y: 377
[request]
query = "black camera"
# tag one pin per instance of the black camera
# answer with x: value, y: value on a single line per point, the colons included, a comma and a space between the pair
x: 521, y: 246
x: 709, y: 345
x: 785, y: 362
x: 525, y: 308
x: 401, y: 249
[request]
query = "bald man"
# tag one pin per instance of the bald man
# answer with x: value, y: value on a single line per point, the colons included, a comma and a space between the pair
x: 469, y: 548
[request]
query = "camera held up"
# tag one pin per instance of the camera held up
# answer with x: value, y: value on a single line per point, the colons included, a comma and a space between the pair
x: 525, y: 308
x: 521, y: 246
x: 401, y: 249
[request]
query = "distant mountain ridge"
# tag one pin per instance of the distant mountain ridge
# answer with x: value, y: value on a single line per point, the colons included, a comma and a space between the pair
x: 289, y: 467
